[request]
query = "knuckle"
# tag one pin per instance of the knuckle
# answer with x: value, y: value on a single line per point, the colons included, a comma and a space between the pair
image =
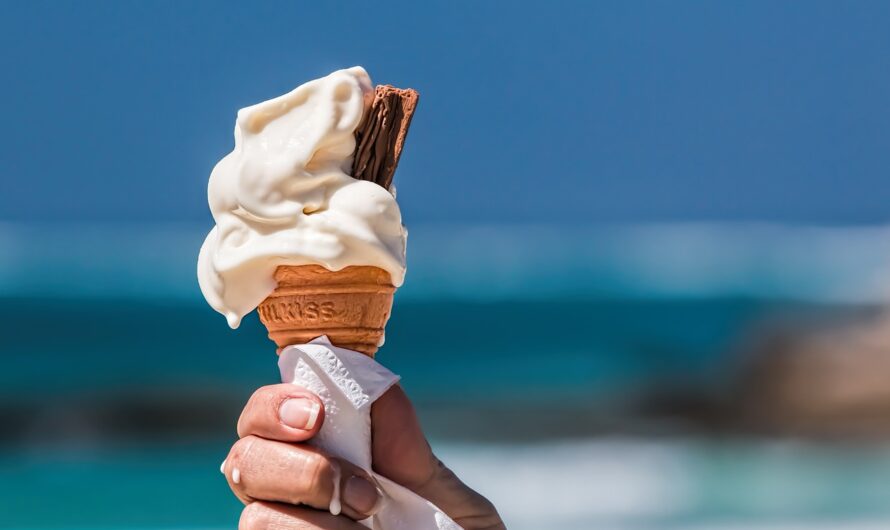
x: 241, y: 427
x: 264, y: 392
x: 259, y: 397
x: 254, y: 516
x: 240, y: 449
x: 316, y: 472
x: 239, y: 465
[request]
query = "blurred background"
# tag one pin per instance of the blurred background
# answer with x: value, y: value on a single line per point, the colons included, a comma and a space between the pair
x: 648, y: 267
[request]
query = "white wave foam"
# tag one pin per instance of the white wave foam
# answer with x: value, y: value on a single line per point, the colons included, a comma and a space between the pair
x: 835, y: 264
x: 830, y: 264
x: 644, y: 484
x: 569, y: 485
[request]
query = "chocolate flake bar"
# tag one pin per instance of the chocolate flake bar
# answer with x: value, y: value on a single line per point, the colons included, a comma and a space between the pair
x: 381, y: 136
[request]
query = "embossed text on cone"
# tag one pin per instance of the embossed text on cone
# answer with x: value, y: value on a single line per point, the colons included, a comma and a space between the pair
x: 350, y: 306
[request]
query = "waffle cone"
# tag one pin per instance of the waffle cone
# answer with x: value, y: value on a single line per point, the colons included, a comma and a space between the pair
x: 350, y: 306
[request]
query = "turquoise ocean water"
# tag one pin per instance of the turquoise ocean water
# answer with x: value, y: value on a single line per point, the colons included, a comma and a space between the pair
x: 534, y: 355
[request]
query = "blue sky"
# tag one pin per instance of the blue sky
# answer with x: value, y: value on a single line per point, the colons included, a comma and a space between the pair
x: 530, y: 111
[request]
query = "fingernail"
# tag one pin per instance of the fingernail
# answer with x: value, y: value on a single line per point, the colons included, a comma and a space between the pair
x: 361, y: 495
x: 299, y: 413
x: 222, y: 467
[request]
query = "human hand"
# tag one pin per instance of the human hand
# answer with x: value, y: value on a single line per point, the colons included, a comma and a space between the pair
x: 286, y: 484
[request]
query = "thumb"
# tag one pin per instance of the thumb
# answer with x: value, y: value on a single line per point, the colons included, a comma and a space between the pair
x: 400, y: 450
x: 402, y: 454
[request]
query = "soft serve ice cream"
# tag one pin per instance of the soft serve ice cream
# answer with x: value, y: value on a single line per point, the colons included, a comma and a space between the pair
x: 284, y: 196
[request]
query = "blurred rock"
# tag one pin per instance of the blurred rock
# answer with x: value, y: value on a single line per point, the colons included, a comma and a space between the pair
x: 828, y: 377
x: 128, y: 414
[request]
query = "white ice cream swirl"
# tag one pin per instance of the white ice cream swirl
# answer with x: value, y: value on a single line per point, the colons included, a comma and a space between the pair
x: 284, y: 196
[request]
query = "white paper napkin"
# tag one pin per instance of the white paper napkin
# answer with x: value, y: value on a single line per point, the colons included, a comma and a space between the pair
x: 348, y: 382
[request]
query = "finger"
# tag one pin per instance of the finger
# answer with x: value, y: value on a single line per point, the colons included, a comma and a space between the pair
x: 263, y: 516
x: 284, y: 412
x: 400, y: 449
x: 267, y: 470
x: 402, y: 453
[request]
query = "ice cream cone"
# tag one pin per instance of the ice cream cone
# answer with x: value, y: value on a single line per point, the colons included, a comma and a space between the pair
x: 350, y: 306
